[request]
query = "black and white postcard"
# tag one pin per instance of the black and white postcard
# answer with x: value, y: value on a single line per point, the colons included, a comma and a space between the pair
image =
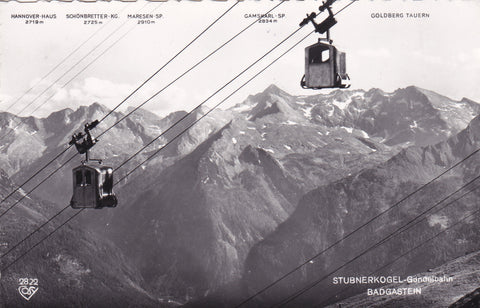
x: 240, y: 153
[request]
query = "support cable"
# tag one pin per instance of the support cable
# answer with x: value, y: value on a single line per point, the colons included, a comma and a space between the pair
x: 388, y: 264
x: 152, y: 155
x: 357, y: 229
x: 61, y: 62
x: 65, y: 150
x: 365, y: 251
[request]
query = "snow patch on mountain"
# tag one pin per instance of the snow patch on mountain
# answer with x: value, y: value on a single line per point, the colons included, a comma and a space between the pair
x: 331, y: 112
x: 290, y: 122
x: 307, y: 112
x: 342, y: 104
x: 242, y: 107
x: 348, y: 129
x: 440, y: 220
x: 364, y: 134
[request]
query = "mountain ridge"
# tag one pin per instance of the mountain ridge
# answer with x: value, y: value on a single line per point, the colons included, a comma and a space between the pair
x: 326, y: 213
x: 238, y: 175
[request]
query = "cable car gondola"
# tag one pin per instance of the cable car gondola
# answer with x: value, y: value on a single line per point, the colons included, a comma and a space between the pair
x: 92, y: 183
x: 325, y: 65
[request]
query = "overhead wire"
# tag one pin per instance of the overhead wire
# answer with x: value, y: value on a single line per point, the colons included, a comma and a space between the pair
x: 452, y: 167
x: 73, y: 157
x: 365, y: 251
x: 68, y: 71
x: 465, y: 218
x: 62, y: 61
x: 306, y: 262
x: 65, y: 150
x: 32, y: 176
x: 158, y: 150
x: 357, y: 229
x: 214, y: 93
x: 171, y: 59
x: 38, y: 243
x: 37, y: 229
x: 342, y: 9
x: 157, y: 93
x: 351, y: 2
x: 284, y: 276
x: 414, y: 221
x: 45, y: 76
x: 32, y: 233
x: 191, y: 68
x: 36, y: 186
x: 149, y: 78
x: 183, y: 74
x: 400, y: 201
x: 401, y: 231
x: 45, y: 166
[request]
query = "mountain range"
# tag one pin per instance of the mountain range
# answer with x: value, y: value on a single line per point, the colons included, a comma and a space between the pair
x: 249, y: 191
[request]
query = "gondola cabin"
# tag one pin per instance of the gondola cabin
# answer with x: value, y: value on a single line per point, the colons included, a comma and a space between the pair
x: 325, y: 67
x: 93, y: 187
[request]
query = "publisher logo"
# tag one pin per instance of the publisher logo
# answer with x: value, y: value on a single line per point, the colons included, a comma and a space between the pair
x: 27, y: 287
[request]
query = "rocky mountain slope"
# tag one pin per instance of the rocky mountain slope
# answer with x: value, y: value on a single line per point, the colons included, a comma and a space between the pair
x: 413, y: 115
x: 379, y: 120
x: 235, y: 188
x: 329, y: 212
x: 231, y: 191
x: 73, y: 268
x: 464, y: 273
x: 188, y: 219
x: 471, y: 300
x: 36, y: 141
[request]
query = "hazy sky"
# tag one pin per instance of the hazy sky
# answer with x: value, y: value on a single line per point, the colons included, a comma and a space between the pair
x: 440, y: 53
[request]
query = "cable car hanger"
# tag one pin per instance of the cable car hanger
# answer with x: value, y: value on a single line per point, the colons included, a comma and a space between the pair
x: 84, y: 142
x: 325, y: 25
x: 92, y: 184
x: 325, y: 65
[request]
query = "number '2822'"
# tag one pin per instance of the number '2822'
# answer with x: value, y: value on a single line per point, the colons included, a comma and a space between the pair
x: 28, y: 281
